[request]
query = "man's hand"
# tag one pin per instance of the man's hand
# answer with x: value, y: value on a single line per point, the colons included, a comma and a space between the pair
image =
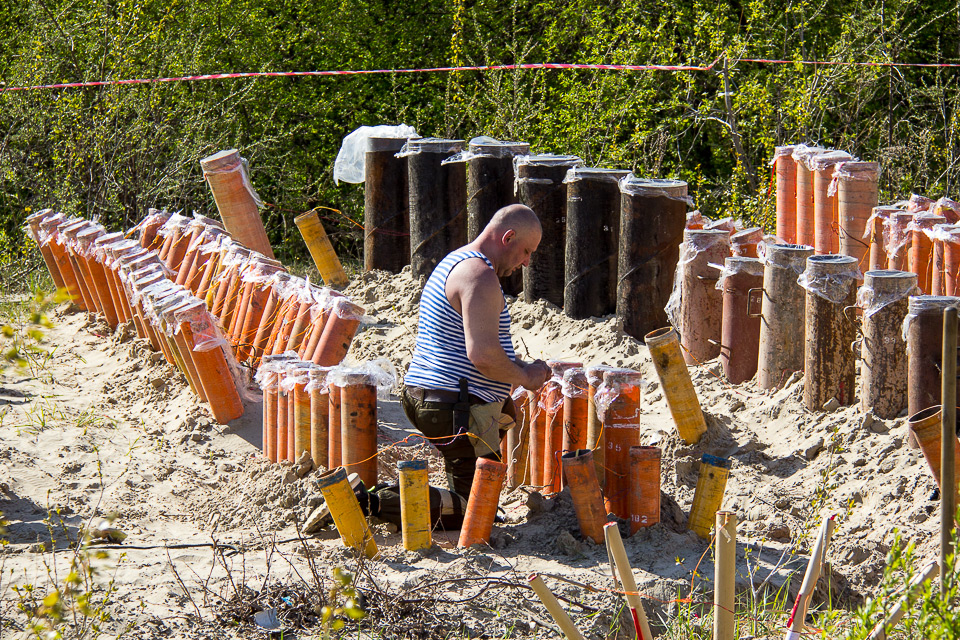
x: 537, y: 372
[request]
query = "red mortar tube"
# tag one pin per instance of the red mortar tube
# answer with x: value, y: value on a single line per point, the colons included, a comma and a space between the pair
x: 553, y: 430
x: 581, y: 476
x: 334, y: 429
x: 644, y: 498
x: 575, y: 409
x: 482, y: 504
x: 622, y: 429
x: 338, y: 333
x: 358, y: 427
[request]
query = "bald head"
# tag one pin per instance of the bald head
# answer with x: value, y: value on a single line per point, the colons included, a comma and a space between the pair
x: 518, y: 217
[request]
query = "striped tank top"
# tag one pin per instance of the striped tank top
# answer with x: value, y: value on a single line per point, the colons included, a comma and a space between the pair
x: 440, y: 357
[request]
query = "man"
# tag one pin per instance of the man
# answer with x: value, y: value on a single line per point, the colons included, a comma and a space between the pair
x: 464, y: 365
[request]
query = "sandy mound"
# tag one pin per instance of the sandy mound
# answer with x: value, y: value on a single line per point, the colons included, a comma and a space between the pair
x: 108, y: 427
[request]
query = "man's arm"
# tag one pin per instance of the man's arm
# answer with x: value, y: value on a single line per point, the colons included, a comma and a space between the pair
x: 473, y: 289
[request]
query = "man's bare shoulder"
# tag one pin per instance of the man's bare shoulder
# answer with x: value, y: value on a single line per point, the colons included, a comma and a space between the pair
x: 472, y: 279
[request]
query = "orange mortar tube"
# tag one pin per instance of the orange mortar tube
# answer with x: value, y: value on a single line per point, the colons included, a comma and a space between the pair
x: 920, y: 256
x: 190, y: 366
x: 92, y: 292
x: 277, y: 327
x: 227, y: 279
x: 620, y: 424
x: 265, y: 327
x: 825, y: 213
x: 575, y: 410
x: 580, y: 474
x: 938, y: 268
x: 951, y: 266
x: 309, y: 345
x: 188, y: 265
x: 284, y: 328
x: 482, y: 504
x: 338, y: 333
x: 786, y: 168
x: 34, y: 222
x: 291, y: 426
x: 197, y: 271
x: 554, y: 422
x: 70, y: 278
x: 210, y: 268
x: 232, y: 299
x: 744, y: 243
x: 178, y: 251
x: 113, y: 284
x: 239, y: 313
x: 299, y: 328
x: 537, y: 439
x: 334, y: 429
x: 255, y: 309
x: 320, y: 426
x: 358, y: 427
x: 925, y: 425
x: 805, y: 220
x: 517, y: 440
x: 167, y: 245
x: 900, y: 258
x: 644, y: 497
x: 282, y: 412
x: 83, y: 279
x: 270, y: 416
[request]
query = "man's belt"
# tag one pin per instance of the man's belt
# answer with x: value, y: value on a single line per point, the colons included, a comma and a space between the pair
x: 440, y: 396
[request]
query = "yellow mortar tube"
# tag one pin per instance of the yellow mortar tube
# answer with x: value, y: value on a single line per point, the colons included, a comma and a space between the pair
x: 347, y: 516
x: 328, y: 264
x: 414, y: 505
x: 708, y: 495
x: 664, y: 346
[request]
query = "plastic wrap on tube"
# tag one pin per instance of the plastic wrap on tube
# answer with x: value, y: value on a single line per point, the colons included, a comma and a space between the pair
x: 918, y: 203
x: 544, y: 160
x: 733, y: 266
x: 803, y: 152
x: 924, y: 223
x: 350, y: 165
x: 878, y: 213
x: 611, y: 388
x: 690, y: 248
x: 728, y: 224
x: 827, y: 159
x: 379, y: 373
x: 946, y: 233
x: 895, y: 236
x: 487, y: 147
x: 695, y: 220
x: 207, y: 334
x: 174, y: 221
x: 574, y: 383
x: 852, y: 170
x: 948, y: 209
x: 771, y: 259
x: 575, y: 174
x: 346, y: 310
x: 871, y: 302
x: 544, y: 400
x: 631, y: 185
x: 925, y: 304
x: 430, y: 145
x: 295, y: 373
x: 318, y: 379
x: 780, y: 152
x: 830, y: 286
x: 269, y: 366
x: 243, y: 167
x: 595, y: 374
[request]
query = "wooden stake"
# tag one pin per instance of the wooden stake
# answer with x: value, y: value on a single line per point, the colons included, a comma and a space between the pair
x: 553, y: 606
x: 814, y: 567
x: 916, y: 583
x: 948, y: 438
x: 627, y: 582
x: 724, y: 577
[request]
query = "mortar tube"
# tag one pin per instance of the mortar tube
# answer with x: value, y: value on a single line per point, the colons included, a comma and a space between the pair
x: 319, y: 421
x: 701, y: 304
x: 553, y: 607
x: 643, y: 499
x: 347, y: 516
x: 580, y: 474
x: 302, y: 419
x: 256, y: 306
x: 70, y: 232
x: 33, y: 221
x: 215, y: 377
x: 951, y: 266
x: 883, y: 352
x: 102, y: 289
x: 920, y: 256
x: 596, y: 440
x: 622, y: 429
x: 210, y: 268
x: 334, y: 448
x: 806, y: 228
x: 321, y: 249
x: 553, y: 429
x: 151, y: 225
x: 292, y: 453
x: 898, y: 259
x: 537, y: 440
x: 99, y: 252
x: 358, y: 427
x: 228, y: 177
x: 198, y: 269
x: 299, y: 328
x: 616, y: 549
x: 175, y: 346
x: 482, y: 504
x: 314, y: 317
x: 179, y: 250
x: 948, y: 446
x: 653, y: 215
x: 283, y: 412
x: 740, y: 327
x: 268, y: 319
x: 786, y: 170
x: 190, y: 257
x: 316, y: 332
x: 743, y: 244
x: 386, y: 206
x: 96, y: 280
x: 232, y: 297
x: 169, y: 237
x: 926, y: 427
x: 220, y: 287
x: 937, y: 268
x: 781, y: 314
x: 575, y: 409
x: 540, y: 186
x: 183, y: 349
x: 517, y: 441
x: 856, y: 199
x: 138, y: 311
x: 591, y: 256
x: 338, y: 333
x: 829, y: 365
x: 415, y: 526
x: 161, y: 338
x: 116, y: 252
x: 438, y: 202
x: 244, y: 291
x: 287, y: 323
x: 924, y: 332
x: 51, y: 225
x: 681, y: 397
x: 825, y: 213
x: 725, y: 577
x: 284, y: 305
x: 878, y: 250
x: 708, y: 496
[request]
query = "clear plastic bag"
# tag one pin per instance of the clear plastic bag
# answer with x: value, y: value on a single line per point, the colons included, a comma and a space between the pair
x: 728, y: 224
x: 575, y: 174
x: 350, y: 165
x: 379, y: 373
x: 947, y: 208
x: 296, y: 372
x: 831, y: 286
x: 850, y: 170
x: 318, y: 379
x: 610, y: 389
x: 430, y: 145
x: 918, y: 203
x: 269, y: 366
x: 574, y: 384
x: 487, y: 147
x: 205, y: 327
x: 780, y: 152
x: 243, y: 167
x: 346, y: 310
x: 734, y: 265
x: 871, y: 302
x: 826, y: 159
x: 803, y: 152
x: 924, y: 304
x: 881, y: 213
x: 695, y: 242
x: 695, y: 220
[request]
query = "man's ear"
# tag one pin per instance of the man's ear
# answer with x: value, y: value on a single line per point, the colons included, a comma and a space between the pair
x: 509, y: 236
